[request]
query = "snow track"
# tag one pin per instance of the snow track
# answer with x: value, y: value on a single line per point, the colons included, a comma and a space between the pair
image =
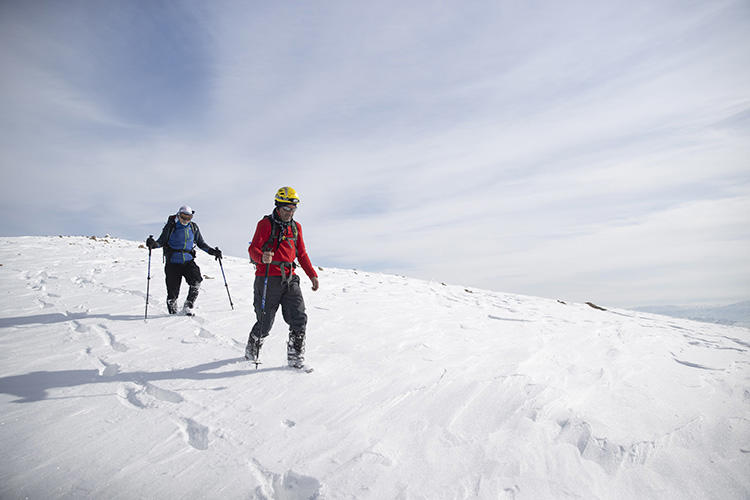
x: 421, y: 390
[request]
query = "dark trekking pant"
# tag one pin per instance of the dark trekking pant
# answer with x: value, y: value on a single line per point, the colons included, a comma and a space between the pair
x: 174, y: 274
x: 288, y: 295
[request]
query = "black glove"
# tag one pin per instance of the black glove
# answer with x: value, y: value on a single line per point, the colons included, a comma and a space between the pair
x: 151, y: 243
x: 217, y: 253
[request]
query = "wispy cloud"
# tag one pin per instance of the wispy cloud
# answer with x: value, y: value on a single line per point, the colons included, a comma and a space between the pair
x: 560, y: 150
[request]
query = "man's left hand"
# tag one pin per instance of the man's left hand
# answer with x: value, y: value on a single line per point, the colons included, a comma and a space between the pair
x: 315, y: 284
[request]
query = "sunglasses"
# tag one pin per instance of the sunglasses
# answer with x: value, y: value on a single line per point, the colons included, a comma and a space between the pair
x: 288, y: 208
x: 185, y: 216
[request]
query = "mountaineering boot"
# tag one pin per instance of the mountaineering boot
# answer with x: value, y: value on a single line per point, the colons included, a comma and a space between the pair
x: 295, y: 350
x: 188, y: 308
x: 252, y: 350
x: 192, y: 294
x: 172, y: 306
x: 190, y: 300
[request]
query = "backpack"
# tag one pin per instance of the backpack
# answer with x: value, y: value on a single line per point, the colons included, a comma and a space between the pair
x: 171, y: 225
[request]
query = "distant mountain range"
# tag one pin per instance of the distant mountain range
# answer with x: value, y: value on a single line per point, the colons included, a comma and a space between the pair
x: 734, y: 314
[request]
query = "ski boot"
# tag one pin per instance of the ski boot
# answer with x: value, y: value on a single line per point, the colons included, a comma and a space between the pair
x: 172, y: 306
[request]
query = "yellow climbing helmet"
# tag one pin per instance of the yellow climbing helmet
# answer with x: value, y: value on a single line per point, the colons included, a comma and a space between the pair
x: 286, y: 195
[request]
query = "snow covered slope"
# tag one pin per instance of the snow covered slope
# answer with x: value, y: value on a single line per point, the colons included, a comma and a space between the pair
x: 421, y: 390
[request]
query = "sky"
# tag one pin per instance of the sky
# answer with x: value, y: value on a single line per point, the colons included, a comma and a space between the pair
x: 583, y: 151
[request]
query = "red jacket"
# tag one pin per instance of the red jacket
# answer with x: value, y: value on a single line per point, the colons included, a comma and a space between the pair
x: 286, y: 252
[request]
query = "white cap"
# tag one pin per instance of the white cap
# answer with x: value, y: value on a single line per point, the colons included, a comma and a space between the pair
x: 185, y: 209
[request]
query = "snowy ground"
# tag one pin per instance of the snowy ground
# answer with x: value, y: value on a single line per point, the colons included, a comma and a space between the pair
x: 420, y: 390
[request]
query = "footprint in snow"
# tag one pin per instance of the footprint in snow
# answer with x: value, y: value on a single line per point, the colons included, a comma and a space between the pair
x: 290, y: 485
x: 128, y: 395
x: 79, y: 327
x: 206, y: 334
x: 295, y: 486
x: 109, y: 370
x: 163, y: 394
x: 111, y: 340
x: 195, y: 433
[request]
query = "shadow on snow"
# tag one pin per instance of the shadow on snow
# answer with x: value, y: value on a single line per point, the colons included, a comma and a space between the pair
x: 50, y: 318
x: 32, y: 387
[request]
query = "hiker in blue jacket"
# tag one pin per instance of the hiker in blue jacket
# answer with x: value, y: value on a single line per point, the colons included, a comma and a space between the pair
x: 179, y: 238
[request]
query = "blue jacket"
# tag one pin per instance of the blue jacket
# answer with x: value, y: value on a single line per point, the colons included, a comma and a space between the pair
x: 179, y: 241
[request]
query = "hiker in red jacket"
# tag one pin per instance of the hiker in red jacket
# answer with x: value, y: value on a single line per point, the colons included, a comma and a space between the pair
x: 276, y: 244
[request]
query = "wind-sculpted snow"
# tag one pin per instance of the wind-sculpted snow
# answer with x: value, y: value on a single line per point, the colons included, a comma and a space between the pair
x: 420, y: 390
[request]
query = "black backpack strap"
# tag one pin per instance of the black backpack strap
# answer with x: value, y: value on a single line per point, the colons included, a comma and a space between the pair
x: 274, y: 239
x: 166, y: 249
x: 268, y: 245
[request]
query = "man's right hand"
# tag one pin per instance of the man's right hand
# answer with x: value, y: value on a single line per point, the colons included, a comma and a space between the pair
x: 267, y: 257
x: 150, y: 242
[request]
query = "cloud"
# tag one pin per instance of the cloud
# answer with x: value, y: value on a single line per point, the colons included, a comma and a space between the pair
x: 501, y: 145
x: 689, y: 245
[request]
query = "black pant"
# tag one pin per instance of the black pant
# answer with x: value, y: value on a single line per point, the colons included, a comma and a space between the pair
x: 287, y: 295
x: 174, y: 274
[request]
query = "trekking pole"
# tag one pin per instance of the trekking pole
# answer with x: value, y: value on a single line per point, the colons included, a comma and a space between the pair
x: 262, y: 313
x: 225, y: 283
x: 148, y: 280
